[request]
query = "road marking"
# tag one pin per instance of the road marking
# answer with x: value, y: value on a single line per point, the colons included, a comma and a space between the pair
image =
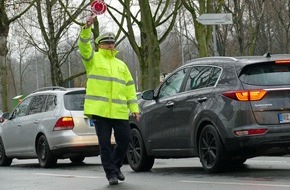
x: 235, y: 183
x: 268, y: 161
x: 69, y: 176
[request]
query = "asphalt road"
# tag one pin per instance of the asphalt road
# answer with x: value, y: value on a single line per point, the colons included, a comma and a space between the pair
x: 265, y: 173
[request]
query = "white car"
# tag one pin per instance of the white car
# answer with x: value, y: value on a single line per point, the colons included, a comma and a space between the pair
x: 49, y: 124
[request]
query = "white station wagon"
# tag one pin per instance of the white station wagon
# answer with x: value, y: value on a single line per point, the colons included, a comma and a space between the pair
x: 49, y: 124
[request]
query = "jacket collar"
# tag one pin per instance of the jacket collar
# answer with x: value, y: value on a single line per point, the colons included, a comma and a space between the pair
x: 108, y: 53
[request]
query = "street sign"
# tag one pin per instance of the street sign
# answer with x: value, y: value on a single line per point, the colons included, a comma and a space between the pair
x: 214, y: 19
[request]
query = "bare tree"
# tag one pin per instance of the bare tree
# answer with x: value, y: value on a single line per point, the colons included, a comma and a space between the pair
x: 23, y: 50
x: 47, y: 30
x: 203, y: 33
x: 54, y: 20
x: 247, y: 20
x: 281, y: 24
x: 147, y: 20
x: 5, y: 22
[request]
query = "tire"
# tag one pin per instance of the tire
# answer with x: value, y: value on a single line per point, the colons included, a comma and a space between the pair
x: 136, y: 154
x: 4, y: 160
x: 45, y: 157
x: 211, y: 151
x: 77, y: 159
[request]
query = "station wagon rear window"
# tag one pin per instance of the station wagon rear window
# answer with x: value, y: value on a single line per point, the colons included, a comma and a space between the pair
x: 266, y: 74
x: 74, y: 101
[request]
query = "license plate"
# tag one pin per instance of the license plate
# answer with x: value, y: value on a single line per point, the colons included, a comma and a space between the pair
x: 92, y: 124
x: 284, y: 117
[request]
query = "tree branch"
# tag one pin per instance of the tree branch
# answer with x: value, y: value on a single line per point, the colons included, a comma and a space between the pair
x: 20, y: 14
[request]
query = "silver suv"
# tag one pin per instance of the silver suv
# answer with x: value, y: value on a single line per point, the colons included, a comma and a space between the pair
x: 49, y: 124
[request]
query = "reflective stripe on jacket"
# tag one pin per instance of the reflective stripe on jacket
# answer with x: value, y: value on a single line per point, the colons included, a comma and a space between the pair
x: 110, y: 90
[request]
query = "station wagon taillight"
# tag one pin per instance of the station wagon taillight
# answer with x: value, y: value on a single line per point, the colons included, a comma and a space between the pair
x: 64, y: 123
x: 246, y: 95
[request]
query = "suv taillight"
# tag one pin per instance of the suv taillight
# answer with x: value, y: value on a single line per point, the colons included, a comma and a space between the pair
x: 246, y: 95
x: 286, y: 61
x: 64, y: 123
x: 250, y: 132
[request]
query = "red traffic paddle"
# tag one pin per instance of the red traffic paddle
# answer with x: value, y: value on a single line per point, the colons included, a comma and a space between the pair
x: 98, y: 7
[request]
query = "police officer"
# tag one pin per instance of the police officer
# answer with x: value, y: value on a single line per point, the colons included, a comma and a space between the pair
x: 110, y: 95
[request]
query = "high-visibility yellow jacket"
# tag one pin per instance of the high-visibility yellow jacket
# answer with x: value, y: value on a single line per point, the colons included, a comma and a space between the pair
x: 110, y: 89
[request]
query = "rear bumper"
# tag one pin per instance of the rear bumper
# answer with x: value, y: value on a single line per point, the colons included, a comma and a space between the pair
x: 259, y: 145
x: 68, y: 144
x: 85, y: 151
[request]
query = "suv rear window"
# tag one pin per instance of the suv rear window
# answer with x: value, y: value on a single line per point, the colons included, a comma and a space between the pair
x: 74, y: 100
x: 265, y: 74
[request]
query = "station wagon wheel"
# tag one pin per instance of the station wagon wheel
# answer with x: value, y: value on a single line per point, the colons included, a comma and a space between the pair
x: 45, y: 157
x: 136, y: 154
x: 4, y: 160
x: 211, y: 150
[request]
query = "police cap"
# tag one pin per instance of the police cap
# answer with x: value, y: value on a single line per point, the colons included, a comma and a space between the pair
x: 106, y: 37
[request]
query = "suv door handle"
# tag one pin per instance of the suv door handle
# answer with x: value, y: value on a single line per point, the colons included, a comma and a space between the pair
x: 203, y: 99
x: 169, y: 104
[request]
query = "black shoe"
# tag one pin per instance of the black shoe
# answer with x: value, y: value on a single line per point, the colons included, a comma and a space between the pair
x: 113, y: 180
x: 120, y: 176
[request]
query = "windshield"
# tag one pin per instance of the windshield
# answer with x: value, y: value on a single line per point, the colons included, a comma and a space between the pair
x: 266, y: 74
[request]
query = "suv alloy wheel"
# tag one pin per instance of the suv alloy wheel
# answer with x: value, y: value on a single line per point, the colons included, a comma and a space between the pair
x: 136, y: 155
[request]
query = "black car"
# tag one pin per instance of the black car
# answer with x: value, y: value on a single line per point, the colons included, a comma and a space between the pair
x: 223, y: 110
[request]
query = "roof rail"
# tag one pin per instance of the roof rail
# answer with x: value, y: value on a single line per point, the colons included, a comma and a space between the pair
x: 224, y: 57
x: 212, y: 58
x: 50, y: 88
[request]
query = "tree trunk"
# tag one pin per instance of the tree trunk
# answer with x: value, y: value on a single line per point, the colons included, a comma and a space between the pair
x: 4, y: 30
x: 150, y: 66
x: 55, y: 70
x: 203, y: 33
x: 149, y: 43
x: 3, y: 78
x: 201, y: 38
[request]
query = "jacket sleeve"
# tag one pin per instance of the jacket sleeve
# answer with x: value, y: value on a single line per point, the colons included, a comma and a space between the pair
x: 131, y: 96
x: 85, y: 46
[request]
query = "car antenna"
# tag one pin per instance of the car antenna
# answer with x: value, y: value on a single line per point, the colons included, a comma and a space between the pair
x: 268, y: 55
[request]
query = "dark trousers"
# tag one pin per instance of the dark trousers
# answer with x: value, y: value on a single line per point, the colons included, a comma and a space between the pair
x: 112, y: 158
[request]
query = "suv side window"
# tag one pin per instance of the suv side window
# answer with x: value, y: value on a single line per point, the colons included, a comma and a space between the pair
x: 216, y: 71
x: 173, y: 84
x: 198, y: 77
x: 37, y: 104
x: 22, y: 108
x: 51, y: 103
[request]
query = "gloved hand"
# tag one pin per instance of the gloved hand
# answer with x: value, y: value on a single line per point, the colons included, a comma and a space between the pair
x: 89, y: 21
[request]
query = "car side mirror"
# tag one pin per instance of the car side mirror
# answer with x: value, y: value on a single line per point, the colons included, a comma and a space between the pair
x: 6, y: 115
x: 148, y: 95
